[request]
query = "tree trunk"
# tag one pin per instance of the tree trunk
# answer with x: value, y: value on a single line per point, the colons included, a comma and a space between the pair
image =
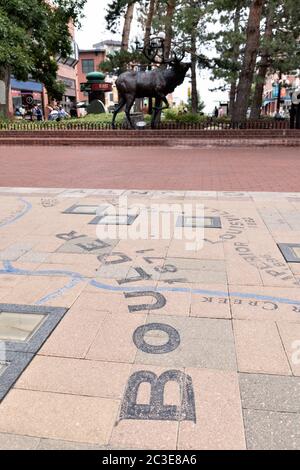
x: 235, y: 57
x: 232, y: 96
x: 4, y: 92
x: 127, y: 26
x: 263, y: 66
x: 248, y: 67
x: 194, y: 72
x: 169, y: 30
x: 151, y: 11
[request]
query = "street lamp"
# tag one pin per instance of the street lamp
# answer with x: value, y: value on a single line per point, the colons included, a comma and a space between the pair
x: 155, y: 48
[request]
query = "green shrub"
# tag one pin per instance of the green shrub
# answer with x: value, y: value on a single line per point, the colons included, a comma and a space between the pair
x: 177, y: 115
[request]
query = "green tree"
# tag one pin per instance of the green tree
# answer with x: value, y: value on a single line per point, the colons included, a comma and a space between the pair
x: 115, y: 11
x: 190, y: 31
x: 152, y: 7
x: 249, y: 60
x: 280, y: 45
x: 120, y: 61
x: 228, y: 40
x: 32, y: 34
x: 200, y: 105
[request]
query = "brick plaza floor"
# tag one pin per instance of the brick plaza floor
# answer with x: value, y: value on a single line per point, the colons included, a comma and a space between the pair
x: 150, y: 343
x: 223, y: 169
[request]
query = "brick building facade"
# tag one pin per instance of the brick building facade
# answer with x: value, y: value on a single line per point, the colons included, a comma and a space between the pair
x: 90, y: 61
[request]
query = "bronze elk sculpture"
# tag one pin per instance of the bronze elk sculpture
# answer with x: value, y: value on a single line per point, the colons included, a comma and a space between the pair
x: 156, y: 83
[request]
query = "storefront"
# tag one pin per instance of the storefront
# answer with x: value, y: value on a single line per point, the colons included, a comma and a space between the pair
x: 26, y: 94
x: 69, y: 98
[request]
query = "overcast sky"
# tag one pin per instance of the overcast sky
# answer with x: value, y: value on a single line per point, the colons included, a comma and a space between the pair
x: 94, y: 30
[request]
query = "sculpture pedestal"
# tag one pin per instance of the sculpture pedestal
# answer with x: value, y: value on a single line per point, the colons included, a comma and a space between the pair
x: 135, y: 117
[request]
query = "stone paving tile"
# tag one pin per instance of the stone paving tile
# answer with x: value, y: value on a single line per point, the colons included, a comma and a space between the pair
x: 269, y: 430
x: 13, y: 253
x: 75, y: 377
x: 118, y: 271
x: 196, y: 264
x: 290, y: 336
x: 195, y: 276
x: 295, y: 268
x: 148, y: 434
x: 143, y: 248
x: 97, y: 299
x: 73, y: 259
x: 33, y: 289
x: 143, y: 271
x: 254, y: 307
x: 177, y: 303
x: 210, y: 301
x: 87, y: 270
x: 219, y: 422
x: 114, y: 339
x: 259, y: 348
x: 48, y: 244
x: 75, y: 334
x: 87, y: 245
x: 2, y: 367
x: 9, y: 281
x: 15, y: 442
x: 212, y: 248
x: 270, y: 392
x: 58, y: 416
x: 239, y: 272
x: 34, y: 257
x: 4, y: 291
x: 54, y: 444
x: 204, y: 343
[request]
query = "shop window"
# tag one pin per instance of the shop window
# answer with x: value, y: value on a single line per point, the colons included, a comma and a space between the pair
x: 88, y: 65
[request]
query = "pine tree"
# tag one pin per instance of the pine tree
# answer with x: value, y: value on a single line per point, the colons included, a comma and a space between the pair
x: 249, y: 61
x: 280, y: 45
x: 188, y: 31
x: 149, y: 20
x: 265, y: 61
x: 115, y: 11
x: 228, y: 41
x: 169, y: 17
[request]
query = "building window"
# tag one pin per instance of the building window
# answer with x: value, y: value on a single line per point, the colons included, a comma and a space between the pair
x: 88, y: 65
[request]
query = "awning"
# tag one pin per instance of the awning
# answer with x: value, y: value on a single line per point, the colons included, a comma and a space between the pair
x: 28, y: 86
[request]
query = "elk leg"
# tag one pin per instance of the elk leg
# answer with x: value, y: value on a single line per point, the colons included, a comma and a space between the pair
x: 129, y: 103
x: 117, y: 110
x: 155, y: 113
x: 161, y: 108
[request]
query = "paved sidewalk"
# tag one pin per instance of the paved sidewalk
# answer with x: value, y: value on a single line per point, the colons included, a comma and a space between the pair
x: 230, y: 169
x: 151, y: 343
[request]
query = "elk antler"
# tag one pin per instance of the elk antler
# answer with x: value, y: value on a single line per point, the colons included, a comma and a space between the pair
x: 175, y: 57
x: 155, y: 52
x: 151, y: 53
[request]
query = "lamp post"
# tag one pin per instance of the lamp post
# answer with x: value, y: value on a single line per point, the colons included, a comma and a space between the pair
x: 156, y: 47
